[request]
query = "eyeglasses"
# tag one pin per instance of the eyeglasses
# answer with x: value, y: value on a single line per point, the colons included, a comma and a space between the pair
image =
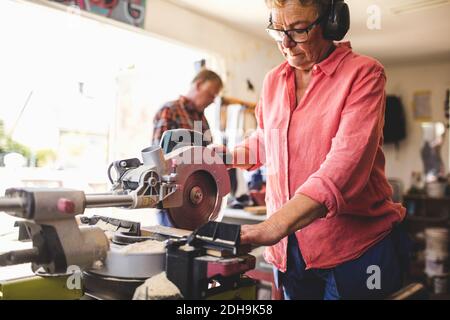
x: 295, y: 35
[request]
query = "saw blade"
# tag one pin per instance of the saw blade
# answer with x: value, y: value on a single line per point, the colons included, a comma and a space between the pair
x: 199, y: 202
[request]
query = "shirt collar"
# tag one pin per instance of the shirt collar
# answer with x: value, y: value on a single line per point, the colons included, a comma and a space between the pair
x: 188, y: 104
x: 330, y: 64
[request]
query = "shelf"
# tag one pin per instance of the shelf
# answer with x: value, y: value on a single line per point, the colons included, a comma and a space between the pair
x: 424, y: 198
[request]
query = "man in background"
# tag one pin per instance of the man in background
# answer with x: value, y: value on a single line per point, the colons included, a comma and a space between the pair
x: 187, y: 112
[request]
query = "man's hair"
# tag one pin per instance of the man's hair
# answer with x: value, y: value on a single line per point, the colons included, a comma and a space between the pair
x: 322, y: 6
x: 207, y: 75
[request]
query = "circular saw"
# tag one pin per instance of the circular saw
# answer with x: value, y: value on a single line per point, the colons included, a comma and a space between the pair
x: 200, y: 201
x: 182, y: 176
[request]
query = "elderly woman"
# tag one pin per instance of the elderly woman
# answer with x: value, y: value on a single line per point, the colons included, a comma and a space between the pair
x: 331, y: 228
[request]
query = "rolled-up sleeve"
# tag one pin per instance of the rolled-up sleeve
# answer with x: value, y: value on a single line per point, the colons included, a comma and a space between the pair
x: 349, y: 163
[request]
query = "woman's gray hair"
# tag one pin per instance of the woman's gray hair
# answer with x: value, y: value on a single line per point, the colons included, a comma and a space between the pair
x: 322, y: 6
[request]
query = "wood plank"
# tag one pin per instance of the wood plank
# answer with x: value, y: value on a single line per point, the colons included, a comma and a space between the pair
x: 258, y: 210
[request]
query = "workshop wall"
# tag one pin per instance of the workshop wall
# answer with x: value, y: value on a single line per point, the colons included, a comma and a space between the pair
x: 403, y: 81
x: 243, y: 56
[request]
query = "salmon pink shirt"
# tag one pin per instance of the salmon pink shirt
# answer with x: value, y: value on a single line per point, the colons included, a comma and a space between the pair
x: 328, y: 146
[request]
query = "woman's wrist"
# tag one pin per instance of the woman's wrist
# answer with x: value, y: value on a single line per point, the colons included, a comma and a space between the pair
x: 240, y: 158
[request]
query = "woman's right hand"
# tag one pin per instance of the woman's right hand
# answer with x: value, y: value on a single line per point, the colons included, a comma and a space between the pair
x: 224, y: 153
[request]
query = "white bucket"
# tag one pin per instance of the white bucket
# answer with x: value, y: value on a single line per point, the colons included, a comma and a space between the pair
x: 436, y: 252
x: 436, y: 266
x: 436, y: 189
x: 440, y: 285
x: 436, y: 241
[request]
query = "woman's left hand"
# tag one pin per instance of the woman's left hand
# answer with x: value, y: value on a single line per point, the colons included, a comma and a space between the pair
x: 266, y: 233
x: 296, y: 214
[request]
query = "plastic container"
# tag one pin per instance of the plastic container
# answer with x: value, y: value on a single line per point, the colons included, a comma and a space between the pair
x: 437, y: 241
x: 436, y: 189
x: 436, y: 252
x: 440, y: 285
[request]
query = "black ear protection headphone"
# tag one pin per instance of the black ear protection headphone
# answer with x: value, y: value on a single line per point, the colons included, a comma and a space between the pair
x: 336, y: 26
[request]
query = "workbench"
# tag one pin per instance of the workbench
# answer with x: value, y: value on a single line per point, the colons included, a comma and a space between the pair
x: 240, y: 216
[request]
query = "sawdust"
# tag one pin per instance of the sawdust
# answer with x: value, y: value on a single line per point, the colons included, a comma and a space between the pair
x: 157, y: 287
x: 97, y: 265
x: 149, y: 246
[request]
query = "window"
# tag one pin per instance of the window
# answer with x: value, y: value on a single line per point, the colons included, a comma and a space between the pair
x: 77, y: 93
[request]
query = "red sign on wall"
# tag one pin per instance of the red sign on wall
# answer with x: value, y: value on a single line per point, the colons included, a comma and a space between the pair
x: 128, y: 11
